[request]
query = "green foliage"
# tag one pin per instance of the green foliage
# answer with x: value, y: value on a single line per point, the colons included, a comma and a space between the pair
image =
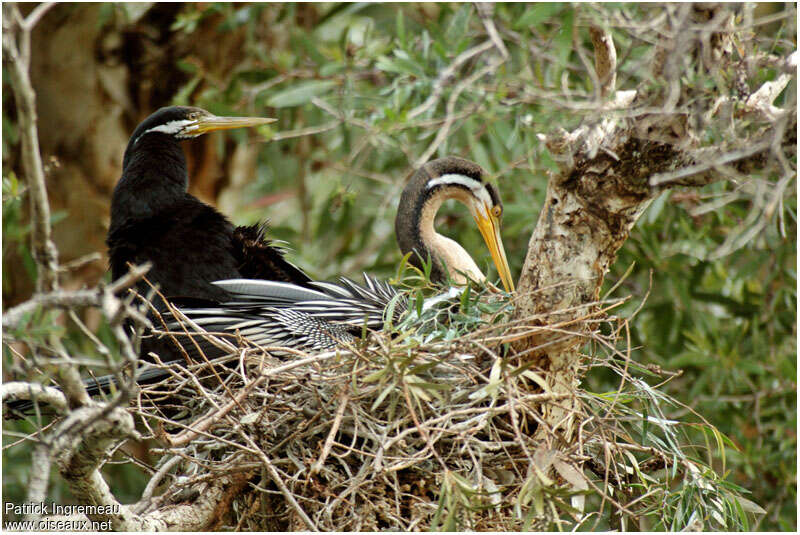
x: 730, y: 325
x: 717, y: 266
x: 15, y: 230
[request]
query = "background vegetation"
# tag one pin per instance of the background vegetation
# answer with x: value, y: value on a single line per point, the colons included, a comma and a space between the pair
x: 713, y: 270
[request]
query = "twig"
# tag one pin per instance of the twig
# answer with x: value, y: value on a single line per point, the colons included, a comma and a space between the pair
x: 446, y: 75
x: 276, y: 478
x: 16, y: 45
x: 215, y: 415
x: 680, y: 176
x: 73, y: 299
x: 147, y: 494
x: 485, y: 11
x: 308, y: 131
x: 80, y: 262
x: 337, y: 421
x: 57, y: 299
x: 444, y: 131
x: 33, y: 18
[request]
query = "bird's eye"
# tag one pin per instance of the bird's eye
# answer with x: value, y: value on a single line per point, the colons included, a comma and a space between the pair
x: 497, y: 211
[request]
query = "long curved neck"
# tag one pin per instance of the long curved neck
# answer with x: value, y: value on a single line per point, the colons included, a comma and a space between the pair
x: 154, y: 176
x: 414, y: 228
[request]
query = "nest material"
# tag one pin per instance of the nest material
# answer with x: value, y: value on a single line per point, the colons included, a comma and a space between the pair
x: 431, y: 425
x: 410, y: 431
x: 395, y: 434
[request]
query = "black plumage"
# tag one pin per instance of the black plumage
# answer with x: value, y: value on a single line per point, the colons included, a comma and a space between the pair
x: 189, y: 243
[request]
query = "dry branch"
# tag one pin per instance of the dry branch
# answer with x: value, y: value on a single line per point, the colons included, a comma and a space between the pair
x: 47, y: 394
x: 16, y: 48
x: 82, y: 441
x: 605, y: 59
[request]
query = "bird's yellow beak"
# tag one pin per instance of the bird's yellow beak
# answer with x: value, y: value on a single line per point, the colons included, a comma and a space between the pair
x: 489, y: 225
x: 211, y: 123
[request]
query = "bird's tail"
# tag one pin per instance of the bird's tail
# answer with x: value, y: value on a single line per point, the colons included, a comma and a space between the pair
x: 106, y: 384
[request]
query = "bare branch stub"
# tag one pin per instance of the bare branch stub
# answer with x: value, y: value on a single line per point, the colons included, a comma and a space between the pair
x: 81, y: 444
x: 605, y: 59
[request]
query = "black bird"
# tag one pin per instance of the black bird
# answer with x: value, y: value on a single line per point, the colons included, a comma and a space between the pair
x: 154, y: 219
x: 189, y: 243
x: 322, y: 315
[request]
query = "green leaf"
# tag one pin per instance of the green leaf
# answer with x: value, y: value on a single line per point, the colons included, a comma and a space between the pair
x: 300, y: 93
x: 538, y: 13
x: 181, y: 98
x: 422, y: 368
x: 401, y: 63
x: 459, y: 26
x: 750, y: 507
x: 385, y: 392
x: 401, y: 29
x: 310, y: 46
x: 645, y: 426
x: 465, y: 299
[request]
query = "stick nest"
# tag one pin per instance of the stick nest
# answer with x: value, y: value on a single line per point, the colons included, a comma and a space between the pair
x: 427, y: 428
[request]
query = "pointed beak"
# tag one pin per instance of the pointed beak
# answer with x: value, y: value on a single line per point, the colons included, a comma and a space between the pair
x: 489, y: 226
x: 212, y: 123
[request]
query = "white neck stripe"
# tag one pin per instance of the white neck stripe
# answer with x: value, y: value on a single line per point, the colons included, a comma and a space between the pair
x: 171, y: 128
x: 477, y: 187
x: 454, y: 178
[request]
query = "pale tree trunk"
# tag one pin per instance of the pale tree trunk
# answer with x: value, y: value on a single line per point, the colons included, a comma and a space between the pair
x: 610, y: 171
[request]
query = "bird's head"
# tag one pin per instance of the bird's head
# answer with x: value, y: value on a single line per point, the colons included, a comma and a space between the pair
x: 154, y: 161
x: 465, y: 181
x: 185, y: 122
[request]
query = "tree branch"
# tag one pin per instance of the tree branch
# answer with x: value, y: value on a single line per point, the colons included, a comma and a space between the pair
x: 82, y: 443
x: 16, y: 45
x: 609, y: 172
x: 18, y: 390
x: 39, y: 476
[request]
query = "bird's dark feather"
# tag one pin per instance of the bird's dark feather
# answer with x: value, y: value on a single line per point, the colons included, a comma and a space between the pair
x: 189, y: 243
x: 259, y: 258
